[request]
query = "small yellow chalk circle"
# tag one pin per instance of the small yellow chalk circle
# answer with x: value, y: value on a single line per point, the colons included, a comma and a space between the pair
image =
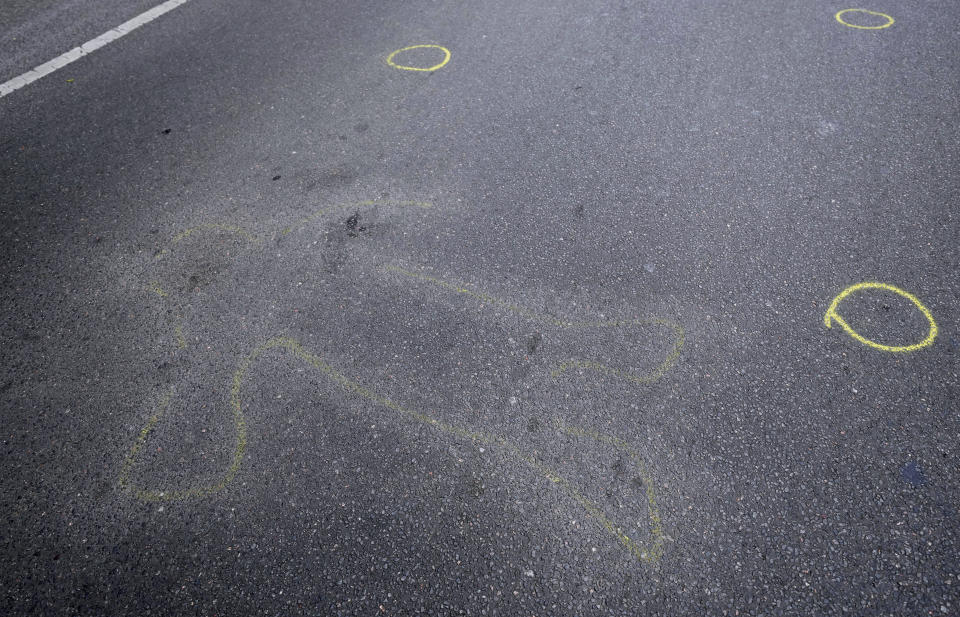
x: 402, y: 67
x: 832, y: 315
x: 840, y: 15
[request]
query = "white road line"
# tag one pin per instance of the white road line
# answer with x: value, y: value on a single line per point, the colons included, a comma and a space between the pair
x: 89, y: 47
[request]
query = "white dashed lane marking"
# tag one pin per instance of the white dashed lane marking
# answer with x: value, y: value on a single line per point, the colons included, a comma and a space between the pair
x: 89, y: 47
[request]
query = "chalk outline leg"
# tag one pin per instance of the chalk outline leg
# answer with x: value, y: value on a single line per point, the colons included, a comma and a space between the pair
x: 647, y: 555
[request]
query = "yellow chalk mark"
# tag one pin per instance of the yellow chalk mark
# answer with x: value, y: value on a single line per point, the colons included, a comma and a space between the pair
x: 654, y: 552
x: 654, y: 375
x: 124, y: 480
x: 157, y: 289
x: 482, y: 297
x: 402, y: 67
x: 418, y: 204
x: 485, y: 298
x: 216, y: 227
x: 646, y: 555
x: 240, y: 426
x: 840, y: 15
x: 181, y: 339
x: 832, y: 315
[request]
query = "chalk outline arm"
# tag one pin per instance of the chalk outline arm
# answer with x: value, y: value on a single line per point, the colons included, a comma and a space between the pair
x: 485, y: 298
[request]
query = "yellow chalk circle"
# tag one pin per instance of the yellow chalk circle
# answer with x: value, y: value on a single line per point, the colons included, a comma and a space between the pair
x: 832, y: 316
x: 402, y: 67
x: 840, y: 15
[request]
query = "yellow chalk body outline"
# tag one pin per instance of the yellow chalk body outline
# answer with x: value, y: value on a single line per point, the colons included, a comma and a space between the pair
x: 849, y: 25
x: 832, y: 315
x: 157, y: 289
x: 403, y: 67
x: 648, y: 378
x: 649, y: 554
x: 645, y: 554
x: 183, y: 235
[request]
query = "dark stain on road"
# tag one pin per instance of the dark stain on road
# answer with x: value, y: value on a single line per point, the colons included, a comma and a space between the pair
x: 533, y: 342
x: 913, y: 474
x: 353, y: 225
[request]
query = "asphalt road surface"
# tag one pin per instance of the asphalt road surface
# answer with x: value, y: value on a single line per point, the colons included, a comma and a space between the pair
x: 288, y: 328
